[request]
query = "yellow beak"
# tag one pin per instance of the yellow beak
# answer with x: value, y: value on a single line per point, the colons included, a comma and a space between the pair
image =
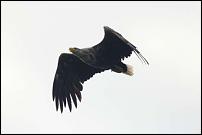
x: 71, y: 50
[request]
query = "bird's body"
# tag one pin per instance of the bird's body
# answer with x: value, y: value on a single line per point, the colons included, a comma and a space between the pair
x: 74, y: 69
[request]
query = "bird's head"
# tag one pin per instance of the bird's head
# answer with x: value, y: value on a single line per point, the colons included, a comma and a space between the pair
x: 73, y: 49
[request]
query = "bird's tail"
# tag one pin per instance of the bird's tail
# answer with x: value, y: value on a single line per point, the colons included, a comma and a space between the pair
x: 129, y: 71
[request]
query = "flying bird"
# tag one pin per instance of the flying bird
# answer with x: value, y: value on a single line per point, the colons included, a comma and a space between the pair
x: 81, y: 64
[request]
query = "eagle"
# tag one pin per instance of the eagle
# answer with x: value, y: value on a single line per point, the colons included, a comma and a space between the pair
x: 79, y: 65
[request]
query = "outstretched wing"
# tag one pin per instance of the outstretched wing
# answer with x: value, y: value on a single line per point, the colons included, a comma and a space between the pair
x: 71, y: 73
x: 115, y: 47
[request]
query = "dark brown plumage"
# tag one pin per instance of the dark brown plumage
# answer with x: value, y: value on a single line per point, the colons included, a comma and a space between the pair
x: 74, y: 69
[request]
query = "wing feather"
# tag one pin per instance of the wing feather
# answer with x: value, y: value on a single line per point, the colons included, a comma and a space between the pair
x: 70, y: 74
x: 115, y: 47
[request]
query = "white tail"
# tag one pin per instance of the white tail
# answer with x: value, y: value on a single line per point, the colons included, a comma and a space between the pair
x: 129, y: 70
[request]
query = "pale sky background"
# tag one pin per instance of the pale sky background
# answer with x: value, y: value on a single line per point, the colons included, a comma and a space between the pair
x: 163, y: 97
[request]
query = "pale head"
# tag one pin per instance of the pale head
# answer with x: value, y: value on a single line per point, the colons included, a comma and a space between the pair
x: 73, y: 49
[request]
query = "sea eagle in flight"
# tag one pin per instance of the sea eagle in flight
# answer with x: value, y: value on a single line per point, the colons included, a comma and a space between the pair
x: 81, y: 64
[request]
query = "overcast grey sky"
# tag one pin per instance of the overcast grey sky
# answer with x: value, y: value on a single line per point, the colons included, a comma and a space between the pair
x: 163, y: 97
